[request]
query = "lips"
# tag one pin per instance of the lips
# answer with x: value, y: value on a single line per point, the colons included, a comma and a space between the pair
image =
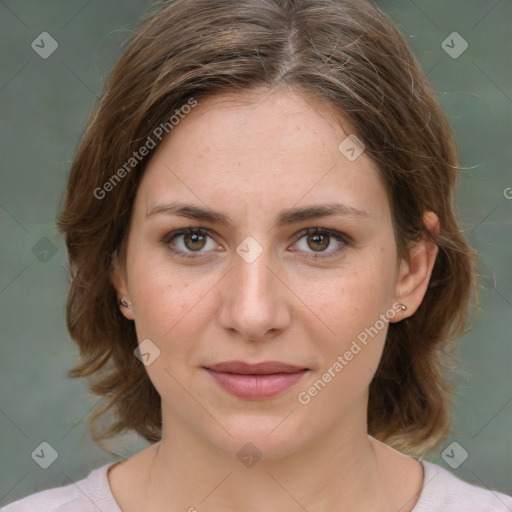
x: 255, y: 381
x: 265, y: 368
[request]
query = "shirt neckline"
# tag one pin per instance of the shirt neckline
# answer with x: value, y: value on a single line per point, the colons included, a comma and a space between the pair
x: 104, y: 485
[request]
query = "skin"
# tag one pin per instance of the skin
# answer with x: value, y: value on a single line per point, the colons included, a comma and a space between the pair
x: 250, y: 157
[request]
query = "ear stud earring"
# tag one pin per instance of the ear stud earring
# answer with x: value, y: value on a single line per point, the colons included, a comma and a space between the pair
x: 124, y: 303
x: 403, y: 307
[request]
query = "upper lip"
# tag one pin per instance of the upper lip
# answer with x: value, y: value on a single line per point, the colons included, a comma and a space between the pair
x: 264, y: 368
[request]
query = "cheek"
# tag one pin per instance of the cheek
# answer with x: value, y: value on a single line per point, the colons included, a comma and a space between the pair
x: 350, y: 338
x: 349, y: 323
x: 352, y: 298
x: 169, y: 303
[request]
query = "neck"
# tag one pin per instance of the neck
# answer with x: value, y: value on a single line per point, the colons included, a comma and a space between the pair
x: 342, y: 470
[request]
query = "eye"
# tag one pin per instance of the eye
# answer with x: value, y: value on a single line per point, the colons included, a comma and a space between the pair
x: 319, y: 240
x: 192, y: 243
x: 185, y: 242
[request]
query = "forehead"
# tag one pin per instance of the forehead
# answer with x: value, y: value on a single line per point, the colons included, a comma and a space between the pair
x: 260, y: 148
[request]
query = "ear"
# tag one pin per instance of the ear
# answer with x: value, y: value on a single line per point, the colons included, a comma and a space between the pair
x: 414, y: 275
x: 120, y: 282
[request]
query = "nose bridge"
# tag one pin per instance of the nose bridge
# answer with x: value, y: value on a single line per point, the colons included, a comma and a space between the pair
x: 254, y: 276
x: 253, y: 303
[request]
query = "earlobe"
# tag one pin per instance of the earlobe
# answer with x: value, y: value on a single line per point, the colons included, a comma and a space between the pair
x: 119, y: 282
x: 414, y: 274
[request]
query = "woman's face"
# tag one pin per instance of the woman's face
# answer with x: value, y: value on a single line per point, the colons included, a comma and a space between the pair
x: 265, y: 275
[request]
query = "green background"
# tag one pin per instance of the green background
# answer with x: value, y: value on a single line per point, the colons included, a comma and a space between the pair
x: 45, y: 104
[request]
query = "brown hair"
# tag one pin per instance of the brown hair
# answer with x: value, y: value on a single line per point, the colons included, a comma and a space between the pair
x: 350, y: 56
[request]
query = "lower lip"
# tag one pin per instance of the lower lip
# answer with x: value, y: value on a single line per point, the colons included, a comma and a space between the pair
x: 256, y: 386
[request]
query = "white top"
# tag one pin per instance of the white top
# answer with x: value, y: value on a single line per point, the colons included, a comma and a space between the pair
x: 441, y: 492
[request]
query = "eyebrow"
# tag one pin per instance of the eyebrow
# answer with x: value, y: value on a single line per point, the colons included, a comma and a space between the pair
x: 290, y: 216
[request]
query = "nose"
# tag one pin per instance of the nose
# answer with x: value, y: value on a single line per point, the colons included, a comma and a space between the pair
x: 255, y: 302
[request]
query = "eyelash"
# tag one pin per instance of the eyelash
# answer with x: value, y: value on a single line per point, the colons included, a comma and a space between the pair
x: 340, y: 237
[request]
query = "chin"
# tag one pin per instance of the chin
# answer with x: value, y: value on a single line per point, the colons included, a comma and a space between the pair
x: 268, y: 438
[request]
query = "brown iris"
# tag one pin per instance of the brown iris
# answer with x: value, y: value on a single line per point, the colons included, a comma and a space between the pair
x: 194, y: 241
x: 321, y: 241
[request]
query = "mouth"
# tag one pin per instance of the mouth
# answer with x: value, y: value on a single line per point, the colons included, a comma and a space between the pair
x: 255, y: 381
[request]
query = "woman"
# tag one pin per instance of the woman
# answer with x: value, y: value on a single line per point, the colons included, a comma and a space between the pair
x: 267, y: 266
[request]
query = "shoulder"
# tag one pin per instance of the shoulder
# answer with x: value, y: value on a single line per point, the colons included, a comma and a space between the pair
x: 90, y: 494
x: 444, y: 492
